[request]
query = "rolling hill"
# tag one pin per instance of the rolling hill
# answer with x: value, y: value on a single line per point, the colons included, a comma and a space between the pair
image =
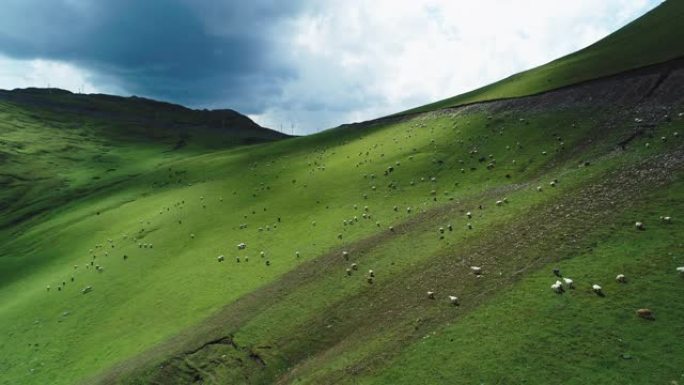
x: 122, y: 219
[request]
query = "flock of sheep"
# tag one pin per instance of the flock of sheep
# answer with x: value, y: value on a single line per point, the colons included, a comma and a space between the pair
x: 559, y: 286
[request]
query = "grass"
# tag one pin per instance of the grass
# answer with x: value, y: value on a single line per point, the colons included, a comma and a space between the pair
x: 98, y: 186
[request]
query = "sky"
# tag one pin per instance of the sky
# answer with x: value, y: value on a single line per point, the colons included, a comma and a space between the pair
x: 299, y: 66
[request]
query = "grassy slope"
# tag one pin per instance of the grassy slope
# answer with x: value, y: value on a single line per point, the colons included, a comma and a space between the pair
x: 61, y: 337
x: 648, y: 40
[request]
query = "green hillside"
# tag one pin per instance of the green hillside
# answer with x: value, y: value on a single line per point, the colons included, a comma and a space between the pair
x: 651, y: 39
x: 116, y: 212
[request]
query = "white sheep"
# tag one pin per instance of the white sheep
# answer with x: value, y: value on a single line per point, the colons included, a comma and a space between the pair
x: 220, y: 258
x: 477, y: 270
x: 597, y: 289
x: 241, y: 246
x: 371, y: 273
x: 345, y: 255
x: 639, y: 225
x: 680, y: 270
x: 87, y: 289
x: 499, y: 203
x: 431, y: 294
x: 354, y: 266
x: 666, y: 219
x: 569, y: 283
x: 620, y: 278
x: 469, y: 215
x: 557, y: 287
x: 453, y: 300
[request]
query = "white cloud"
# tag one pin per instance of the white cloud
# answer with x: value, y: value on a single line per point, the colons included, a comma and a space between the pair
x: 358, y: 59
x: 16, y: 73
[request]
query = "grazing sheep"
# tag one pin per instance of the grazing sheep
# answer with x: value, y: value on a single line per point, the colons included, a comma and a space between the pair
x: 469, y: 215
x: 558, y: 287
x: 469, y: 225
x: 431, y: 294
x: 268, y: 263
x: 666, y: 219
x: 453, y: 300
x: 441, y: 230
x: 450, y: 227
x: 646, y: 314
x: 552, y: 183
x: 371, y: 273
x: 369, y: 280
x: 620, y: 278
x: 345, y: 255
x: 539, y: 188
x: 87, y: 289
x: 262, y: 254
x: 499, y: 203
x: 639, y: 226
x: 680, y: 270
x: 192, y: 236
x: 477, y: 270
x: 297, y: 254
x: 349, y: 271
x: 597, y: 289
x: 241, y: 246
x: 569, y: 283
x: 47, y: 287
x: 220, y: 258
x: 391, y: 228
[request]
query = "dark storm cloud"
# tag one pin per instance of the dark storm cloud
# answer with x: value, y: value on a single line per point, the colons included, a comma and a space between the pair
x: 193, y: 52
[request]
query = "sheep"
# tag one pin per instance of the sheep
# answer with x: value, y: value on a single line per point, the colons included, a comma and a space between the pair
x: 639, y: 225
x: 268, y: 263
x: 220, y: 258
x: 441, y: 230
x: 450, y: 227
x: 666, y: 219
x: 453, y: 300
x: 558, y: 287
x: 620, y: 278
x: 569, y: 283
x: 371, y: 273
x: 557, y: 272
x: 680, y: 270
x: 552, y: 183
x: 237, y: 259
x: 469, y: 225
x: 539, y: 188
x: 469, y: 215
x: 345, y: 255
x: 431, y: 294
x: 262, y: 254
x: 47, y: 287
x: 597, y: 289
x: 241, y: 246
x: 369, y: 280
x: 349, y: 271
x: 86, y: 289
x: 477, y: 270
x: 499, y: 203
x: 354, y: 266
x: 297, y: 254
x: 646, y: 314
